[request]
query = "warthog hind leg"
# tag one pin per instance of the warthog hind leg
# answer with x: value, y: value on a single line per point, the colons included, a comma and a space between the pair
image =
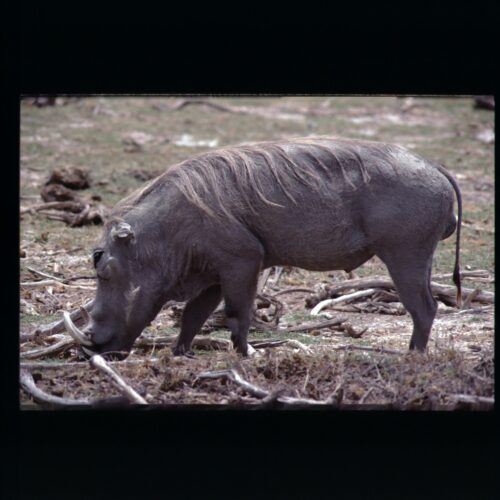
x: 411, y: 273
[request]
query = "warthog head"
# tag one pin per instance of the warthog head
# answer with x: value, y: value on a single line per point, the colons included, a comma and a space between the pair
x: 127, y: 297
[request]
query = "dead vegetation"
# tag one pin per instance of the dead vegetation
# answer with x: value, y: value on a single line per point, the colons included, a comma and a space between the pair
x: 283, y: 372
x: 62, y: 203
x: 351, y: 354
x: 340, y: 378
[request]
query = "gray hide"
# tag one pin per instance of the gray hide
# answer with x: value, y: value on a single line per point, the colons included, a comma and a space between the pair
x: 204, y: 230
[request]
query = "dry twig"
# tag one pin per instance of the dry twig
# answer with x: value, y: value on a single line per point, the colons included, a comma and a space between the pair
x: 255, y: 391
x: 477, y: 310
x: 299, y: 345
x: 351, y: 332
x: 356, y: 284
x: 198, y: 342
x: 61, y: 280
x: 470, y: 298
x: 266, y: 112
x: 293, y: 290
x: 345, y: 298
x: 98, y: 362
x: 314, y: 326
x: 55, y: 282
x: 445, y: 293
x: 42, y: 365
x: 264, y: 276
x: 469, y: 399
x: 262, y: 344
x: 53, y: 349
x: 476, y: 273
x: 364, y: 348
x: 72, y: 206
x: 58, y: 326
x: 39, y: 396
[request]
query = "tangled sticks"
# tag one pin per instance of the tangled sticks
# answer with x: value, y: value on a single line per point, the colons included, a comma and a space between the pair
x: 61, y: 202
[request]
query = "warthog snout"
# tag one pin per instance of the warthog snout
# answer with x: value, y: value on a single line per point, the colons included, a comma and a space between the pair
x: 84, y: 338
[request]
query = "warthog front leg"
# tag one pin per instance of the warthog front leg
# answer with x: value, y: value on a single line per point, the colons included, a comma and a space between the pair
x: 239, y: 289
x: 195, y: 314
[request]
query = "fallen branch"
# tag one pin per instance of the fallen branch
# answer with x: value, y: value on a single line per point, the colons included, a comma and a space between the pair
x: 345, y: 298
x: 264, y: 276
x: 385, y: 296
x: 314, y: 326
x: 76, y: 278
x: 356, y: 284
x: 365, y: 395
x: 469, y: 399
x: 235, y: 377
x: 211, y: 343
x: 256, y: 391
x: 477, y: 273
x: 73, y: 213
x: 276, y: 396
x: 445, y: 293
x: 364, y: 348
x: 55, y: 282
x: 42, y: 365
x: 293, y: 290
x: 351, y: 332
x: 98, y: 362
x: 278, y: 272
x: 159, y: 341
x: 477, y: 310
x: 207, y: 343
x: 61, y: 280
x: 479, y: 377
x: 58, y: 326
x: 284, y: 112
x: 470, y: 298
x: 262, y: 344
x: 385, y: 309
x: 351, y: 308
x: 41, y: 397
x: 44, y: 351
x: 44, y: 275
x: 266, y: 112
x: 299, y: 345
x: 273, y: 318
x: 72, y: 206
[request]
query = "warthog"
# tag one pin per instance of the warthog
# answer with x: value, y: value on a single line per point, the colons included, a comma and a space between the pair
x: 202, y: 232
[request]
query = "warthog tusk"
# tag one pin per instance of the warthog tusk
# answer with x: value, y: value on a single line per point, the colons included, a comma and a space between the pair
x: 77, y: 334
x: 88, y: 352
x: 85, y: 315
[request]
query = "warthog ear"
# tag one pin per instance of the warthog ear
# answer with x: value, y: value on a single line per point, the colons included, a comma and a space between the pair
x: 122, y: 231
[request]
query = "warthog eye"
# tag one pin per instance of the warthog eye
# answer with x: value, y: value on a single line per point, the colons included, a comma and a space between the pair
x: 98, y: 253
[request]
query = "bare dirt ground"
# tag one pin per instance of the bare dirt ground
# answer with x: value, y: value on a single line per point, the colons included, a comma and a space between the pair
x: 121, y: 142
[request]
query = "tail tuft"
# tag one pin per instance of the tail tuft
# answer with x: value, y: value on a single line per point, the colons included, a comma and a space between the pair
x: 456, y: 280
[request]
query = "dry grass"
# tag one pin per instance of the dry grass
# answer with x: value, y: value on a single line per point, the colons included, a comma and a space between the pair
x: 411, y: 381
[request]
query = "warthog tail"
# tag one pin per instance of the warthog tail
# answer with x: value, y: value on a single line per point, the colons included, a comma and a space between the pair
x: 456, y: 270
